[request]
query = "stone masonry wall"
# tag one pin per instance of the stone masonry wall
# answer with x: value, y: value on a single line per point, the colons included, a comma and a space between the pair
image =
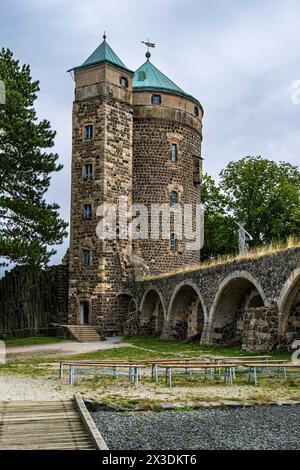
x: 155, y: 177
x: 260, y: 331
x: 109, y: 110
x: 32, y: 301
x: 239, y: 300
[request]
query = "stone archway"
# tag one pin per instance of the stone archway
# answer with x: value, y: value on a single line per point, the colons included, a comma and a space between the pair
x: 237, y: 294
x: 187, y: 314
x: 152, y: 314
x: 289, y: 308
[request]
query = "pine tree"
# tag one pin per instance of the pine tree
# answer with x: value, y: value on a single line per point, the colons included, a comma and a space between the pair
x: 29, y: 226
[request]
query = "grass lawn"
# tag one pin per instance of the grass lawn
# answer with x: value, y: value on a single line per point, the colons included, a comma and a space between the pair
x: 42, y: 364
x: 12, y: 342
x: 154, y: 348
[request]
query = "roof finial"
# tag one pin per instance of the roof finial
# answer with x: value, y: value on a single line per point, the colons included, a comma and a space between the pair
x: 148, y: 44
x: 104, y: 36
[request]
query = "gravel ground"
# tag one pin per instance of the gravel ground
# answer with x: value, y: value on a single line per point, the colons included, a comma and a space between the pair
x: 22, y: 388
x: 262, y: 428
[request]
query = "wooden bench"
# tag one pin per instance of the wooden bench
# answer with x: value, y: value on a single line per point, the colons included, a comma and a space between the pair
x: 187, y: 362
x: 280, y: 366
x: 240, y: 358
x: 229, y: 370
x: 134, y: 369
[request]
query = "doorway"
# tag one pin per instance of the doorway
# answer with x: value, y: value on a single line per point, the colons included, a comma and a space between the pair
x: 84, y: 313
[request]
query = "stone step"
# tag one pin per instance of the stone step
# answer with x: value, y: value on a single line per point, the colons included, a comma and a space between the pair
x: 83, y: 333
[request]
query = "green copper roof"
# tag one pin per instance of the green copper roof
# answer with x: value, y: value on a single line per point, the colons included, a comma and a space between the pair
x: 103, y: 53
x: 148, y: 77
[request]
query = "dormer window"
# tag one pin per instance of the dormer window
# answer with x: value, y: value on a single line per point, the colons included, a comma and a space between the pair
x: 196, y: 111
x: 156, y: 99
x: 88, y: 132
x: 124, y: 82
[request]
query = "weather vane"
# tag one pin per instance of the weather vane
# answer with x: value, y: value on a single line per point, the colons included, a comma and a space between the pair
x: 148, y: 44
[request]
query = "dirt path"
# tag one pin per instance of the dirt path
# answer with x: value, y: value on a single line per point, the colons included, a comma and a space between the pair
x: 70, y: 347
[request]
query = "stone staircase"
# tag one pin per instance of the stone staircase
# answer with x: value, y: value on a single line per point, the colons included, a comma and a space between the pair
x: 83, y: 333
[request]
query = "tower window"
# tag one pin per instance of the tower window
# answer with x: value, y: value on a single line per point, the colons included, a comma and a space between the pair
x: 87, y: 211
x: 124, y: 82
x: 88, y: 132
x: 196, y: 111
x: 174, y: 156
x: 174, y: 198
x: 197, y: 171
x: 86, y: 258
x: 156, y: 99
x: 88, y: 171
x: 174, y: 242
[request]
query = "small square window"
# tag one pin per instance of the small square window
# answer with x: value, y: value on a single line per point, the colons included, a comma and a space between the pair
x: 86, y: 258
x: 88, y: 132
x: 156, y: 99
x: 87, y: 211
x: 88, y: 171
x: 174, y: 153
x: 124, y: 82
x: 174, y: 243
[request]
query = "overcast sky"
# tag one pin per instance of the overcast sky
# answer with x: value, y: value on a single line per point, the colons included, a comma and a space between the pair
x: 238, y: 57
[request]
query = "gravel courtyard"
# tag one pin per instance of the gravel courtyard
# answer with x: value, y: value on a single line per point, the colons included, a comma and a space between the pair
x: 261, y: 428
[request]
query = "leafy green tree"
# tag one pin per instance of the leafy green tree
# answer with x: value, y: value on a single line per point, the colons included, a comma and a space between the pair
x: 29, y: 226
x: 264, y: 195
x: 220, y: 231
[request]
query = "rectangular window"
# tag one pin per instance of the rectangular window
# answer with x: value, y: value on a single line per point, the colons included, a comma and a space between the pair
x: 174, y: 155
x: 124, y: 82
x: 197, y: 171
x: 88, y: 171
x: 174, y: 243
x: 174, y: 198
x: 88, y: 132
x: 156, y: 99
x: 87, y: 211
x: 86, y: 258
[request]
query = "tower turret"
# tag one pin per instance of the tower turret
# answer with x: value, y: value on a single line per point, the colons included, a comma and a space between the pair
x: 101, y: 173
x: 167, y: 164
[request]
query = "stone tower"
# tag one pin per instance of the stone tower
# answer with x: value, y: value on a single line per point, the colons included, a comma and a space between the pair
x: 135, y: 136
x: 167, y: 163
x: 101, y: 173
